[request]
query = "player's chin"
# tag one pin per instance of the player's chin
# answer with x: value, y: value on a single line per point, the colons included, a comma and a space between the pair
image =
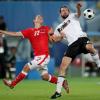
x: 64, y: 16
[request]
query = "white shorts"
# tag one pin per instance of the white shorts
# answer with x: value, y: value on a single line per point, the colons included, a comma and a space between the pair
x: 40, y: 63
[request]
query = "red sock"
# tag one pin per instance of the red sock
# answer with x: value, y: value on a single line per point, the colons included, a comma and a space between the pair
x: 53, y: 79
x: 19, y: 78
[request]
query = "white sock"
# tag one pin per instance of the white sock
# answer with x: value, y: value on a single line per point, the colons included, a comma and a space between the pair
x: 59, y: 84
x: 96, y: 59
x: 25, y: 73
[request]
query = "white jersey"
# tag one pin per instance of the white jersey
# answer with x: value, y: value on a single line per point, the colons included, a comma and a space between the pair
x: 71, y: 28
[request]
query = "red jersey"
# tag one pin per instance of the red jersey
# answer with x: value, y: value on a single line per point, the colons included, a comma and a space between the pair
x: 38, y: 38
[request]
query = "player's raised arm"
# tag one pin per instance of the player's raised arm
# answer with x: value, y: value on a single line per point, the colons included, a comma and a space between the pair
x: 11, y: 33
x: 78, y: 6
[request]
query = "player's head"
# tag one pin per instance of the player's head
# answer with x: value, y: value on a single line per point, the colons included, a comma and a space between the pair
x: 38, y: 19
x: 64, y: 12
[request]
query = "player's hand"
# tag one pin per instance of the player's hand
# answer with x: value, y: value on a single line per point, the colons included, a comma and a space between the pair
x: 51, y: 38
x: 79, y: 5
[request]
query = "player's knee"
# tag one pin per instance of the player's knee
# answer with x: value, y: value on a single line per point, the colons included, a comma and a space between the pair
x: 45, y: 77
x: 26, y: 68
x: 90, y: 48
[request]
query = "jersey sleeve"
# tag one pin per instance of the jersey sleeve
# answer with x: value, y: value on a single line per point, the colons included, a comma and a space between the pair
x: 26, y: 33
x: 74, y: 15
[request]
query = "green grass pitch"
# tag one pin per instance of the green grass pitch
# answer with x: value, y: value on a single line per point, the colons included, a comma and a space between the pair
x: 80, y: 89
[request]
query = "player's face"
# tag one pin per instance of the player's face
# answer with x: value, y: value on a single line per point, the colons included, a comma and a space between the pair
x: 38, y: 19
x: 64, y: 13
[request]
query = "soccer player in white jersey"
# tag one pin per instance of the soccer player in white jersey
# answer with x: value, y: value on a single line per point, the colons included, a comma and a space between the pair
x: 78, y: 42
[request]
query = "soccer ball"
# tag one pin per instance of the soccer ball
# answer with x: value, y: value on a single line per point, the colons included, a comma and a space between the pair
x: 89, y: 14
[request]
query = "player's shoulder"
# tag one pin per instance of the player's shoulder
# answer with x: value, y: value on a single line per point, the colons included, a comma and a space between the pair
x: 30, y: 29
x: 45, y: 26
x: 73, y: 15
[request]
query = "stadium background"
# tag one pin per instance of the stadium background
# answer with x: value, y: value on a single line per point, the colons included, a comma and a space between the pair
x: 18, y: 15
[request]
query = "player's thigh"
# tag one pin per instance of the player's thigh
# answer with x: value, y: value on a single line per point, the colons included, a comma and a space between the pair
x: 43, y: 66
x: 36, y: 62
x: 40, y: 63
x: 33, y: 64
x: 65, y: 62
x: 44, y: 61
x: 73, y: 50
x: 43, y: 70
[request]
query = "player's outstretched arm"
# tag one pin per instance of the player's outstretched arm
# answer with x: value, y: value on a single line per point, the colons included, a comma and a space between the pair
x: 11, y: 33
x: 78, y: 6
x: 55, y: 38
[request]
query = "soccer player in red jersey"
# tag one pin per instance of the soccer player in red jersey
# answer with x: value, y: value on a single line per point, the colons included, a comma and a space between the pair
x: 39, y: 37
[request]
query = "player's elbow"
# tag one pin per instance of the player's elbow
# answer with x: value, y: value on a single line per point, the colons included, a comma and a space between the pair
x: 78, y: 14
x: 53, y: 39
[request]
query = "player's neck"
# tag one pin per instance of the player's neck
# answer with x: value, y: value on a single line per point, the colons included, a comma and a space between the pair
x: 37, y: 25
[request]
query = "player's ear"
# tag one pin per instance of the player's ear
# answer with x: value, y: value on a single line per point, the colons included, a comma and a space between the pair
x: 68, y: 10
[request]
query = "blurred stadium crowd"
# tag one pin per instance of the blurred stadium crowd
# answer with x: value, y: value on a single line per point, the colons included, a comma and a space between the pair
x: 15, y: 52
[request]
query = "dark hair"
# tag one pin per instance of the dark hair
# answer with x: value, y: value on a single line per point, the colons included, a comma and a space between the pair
x: 63, y: 7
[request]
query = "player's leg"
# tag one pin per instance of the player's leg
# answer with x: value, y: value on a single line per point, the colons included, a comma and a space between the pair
x: 49, y: 78
x: 34, y: 64
x: 19, y: 78
x: 29, y: 66
x: 61, y: 78
x: 44, y: 71
x: 52, y: 79
x: 73, y: 50
x: 93, y: 53
x: 64, y: 65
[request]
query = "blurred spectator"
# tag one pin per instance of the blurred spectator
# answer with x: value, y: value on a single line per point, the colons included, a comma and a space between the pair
x: 3, y: 49
x: 24, y: 50
x: 2, y: 23
x: 10, y: 72
x: 90, y: 66
x: 23, y: 54
x: 58, y: 50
